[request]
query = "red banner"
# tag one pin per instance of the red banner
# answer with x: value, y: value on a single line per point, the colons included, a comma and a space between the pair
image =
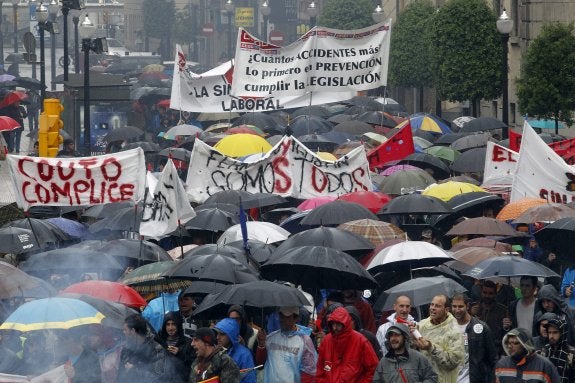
x: 399, y: 146
x: 565, y: 148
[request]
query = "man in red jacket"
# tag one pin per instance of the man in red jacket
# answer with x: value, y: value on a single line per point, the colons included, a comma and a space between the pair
x: 345, y: 356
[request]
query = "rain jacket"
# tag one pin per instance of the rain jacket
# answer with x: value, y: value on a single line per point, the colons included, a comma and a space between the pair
x: 532, y: 368
x: 482, y: 351
x: 562, y: 355
x: 382, y: 330
x: 562, y: 310
x: 447, y: 353
x: 411, y: 365
x: 219, y: 364
x: 346, y: 357
x: 238, y: 352
x: 568, y: 279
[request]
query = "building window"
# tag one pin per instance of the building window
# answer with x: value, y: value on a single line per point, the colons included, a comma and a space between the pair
x: 515, y: 16
x: 494, y: 109
x: 512, y: 112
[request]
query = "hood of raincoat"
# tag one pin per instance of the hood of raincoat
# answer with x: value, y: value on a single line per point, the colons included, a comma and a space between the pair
x: 231, y: 328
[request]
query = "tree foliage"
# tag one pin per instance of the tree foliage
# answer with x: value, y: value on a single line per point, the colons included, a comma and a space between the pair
x: 546, y: 88
x: 185, y: 27
x: 347, y: 14
x: 159, y: 21
x: 410, y: 56
x: 466, y: 51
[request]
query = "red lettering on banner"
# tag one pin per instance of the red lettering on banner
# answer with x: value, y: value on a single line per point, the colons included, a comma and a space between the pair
x: 86, y: 163
x: 25, y: 186
x: 65, y: 177
x: 64, y: 191
x: 361, y: 173
x: 499, y: 155
x: 126, y: 191
x: 324, y: 181
x: 555, y: 197
x: 21, y: 163
x: 45, y: 170
x: 284, y: 182
x: 104, y: 169
x: 42, y: 193
x: 80, y: 187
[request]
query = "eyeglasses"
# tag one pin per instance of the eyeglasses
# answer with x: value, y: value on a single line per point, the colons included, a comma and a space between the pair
x: 513, y: 343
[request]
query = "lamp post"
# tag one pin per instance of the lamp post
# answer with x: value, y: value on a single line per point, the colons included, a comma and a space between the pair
x: 42, y: 17
x: 377, y: 15
x: 87, y: 30
x: 229, y: 7
x: 15, y: 20
x: 67, y: 6
x: 265, y: 10
x: 1, y: 37
x: 504, y: 27
x: 312, y: 11
x: 76, y: 21
x: 53, y: 9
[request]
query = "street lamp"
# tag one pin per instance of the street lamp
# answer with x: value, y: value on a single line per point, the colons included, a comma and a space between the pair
x: 504, y: 27
x: 42, y: 17
x: 87, y: 30
x: 76, y: 20
x: 312, y: 11
x: 377, y: 15
x: 229, y: 7
x: 265, y: 9
x: 15, y: 19
x: 53, y: 9
x: 67, y: 6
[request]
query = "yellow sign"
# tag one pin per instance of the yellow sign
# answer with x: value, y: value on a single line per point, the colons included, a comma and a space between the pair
x: 244, y: 17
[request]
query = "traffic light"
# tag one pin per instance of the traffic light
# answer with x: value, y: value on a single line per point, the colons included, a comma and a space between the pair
x: 49, y: 138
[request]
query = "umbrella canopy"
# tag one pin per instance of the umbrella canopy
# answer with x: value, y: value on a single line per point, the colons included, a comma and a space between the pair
x: 107, y: 209
x: 263, y: 121
x: 109, y: 291
x: 397, y: 168
x: 44, y: 231
x: 70, y: 259
x: 353, y: 127
x: 484, y: 226
x: 508, y: 266
x: 427, y: 161
x: 29, y: 83
x: 318, y: 267
x: 258, y: 294
x: 373, y: 201
x: 239, y: 145
x: 470, y: 141
x: 558, y: 236
x: 513, y: 210
x: 182, y: 130
x: 377, y: 118
x: 312, y: 110
x: 16, y: 240
x: 13, y: 97
x: 471, y: 161
x: 458, y: 122
x: 469, y: 205
x: 467, y: 257
x: 407, y: 181
x: 52, y: 313
x: 415, y: 204
x: 427, y: 123
x: 259, y: 251
x: 124, y: 133
x: 73, y: 228
x: 181, y: 154
x: 147, y: 147
x: 337, y: 212
x: 326, y: 236
x: 318, y: 142
x: 212, y: 267
x: 312, y: 203
x: 442, y: 152
x: 411, y: 253
x: 376, y: 232
x: 262, y: 231
x: 420, y: 291
x: 114, y: 313
x: 484, y: 242
x: 213, y: 219
x: 14, y: 282
x: 127, y: 249
x: 211, y: 248
x: 8, y: 123
x: 547, y: 213
x: 302, y: 125
x: 481, y: 124
x: 446, y: 191
x: 122, y: 219
x: 247, y: 129
x: 148, y: 278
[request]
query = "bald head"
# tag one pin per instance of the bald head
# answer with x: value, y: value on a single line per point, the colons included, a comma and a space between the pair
x: 402, y: 306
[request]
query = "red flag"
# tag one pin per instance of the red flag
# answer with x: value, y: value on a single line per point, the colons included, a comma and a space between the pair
x: 566, y: 149
x: 397, y: 147
x: 514, y: 140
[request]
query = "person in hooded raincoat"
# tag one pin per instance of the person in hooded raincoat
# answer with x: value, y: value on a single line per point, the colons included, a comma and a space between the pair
x: 228, y: 335
x: 345, y: 355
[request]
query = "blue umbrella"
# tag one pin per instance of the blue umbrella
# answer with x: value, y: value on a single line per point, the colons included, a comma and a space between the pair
x: 544, y: 123
x: 72, y: 228
x: 52, y: 313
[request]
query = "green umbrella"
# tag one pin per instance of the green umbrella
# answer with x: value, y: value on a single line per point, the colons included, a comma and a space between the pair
x: 443, y: 152
x: 148, y: 279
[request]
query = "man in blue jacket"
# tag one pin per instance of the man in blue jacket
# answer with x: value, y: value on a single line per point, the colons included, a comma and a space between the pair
x: 228, y: 335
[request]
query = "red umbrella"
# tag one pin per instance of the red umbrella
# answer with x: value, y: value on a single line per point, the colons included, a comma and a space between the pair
x: 374, y: 201
x: 12, y: 97
x: 7, y: 123
x: 164, y: 103
x: 108, y: 291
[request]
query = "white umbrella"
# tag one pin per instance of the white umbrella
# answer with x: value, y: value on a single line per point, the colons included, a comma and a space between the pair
x: 183, y: 130
x: 261, y: 231
x: 412, y: 253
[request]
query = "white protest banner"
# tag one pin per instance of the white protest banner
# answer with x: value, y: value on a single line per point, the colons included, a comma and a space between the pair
x: 209, y: 92
x: 324, y: 59
x: 169, y: 206
x: 542, y: 173
x: 55, y: 375
x: 288, y: 169
x: 78, y: 181
x: 500, y: 164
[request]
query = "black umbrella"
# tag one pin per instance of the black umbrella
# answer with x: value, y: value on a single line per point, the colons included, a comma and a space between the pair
x: 303, y: 125
x: 427, y: 161
x: 114, y: 313
x: 336, y: 119
x: 203, y: 288
x: 470, y: 161
x: 147, y: 147
x: 212, y: 220
x: 107, y: 209
x: 124, y: 219
x: 354, y: 127
x: 44, y: 231
x: 259, y: 251
x: 481, y: 124
x: 181, y: 154
x: 29, y: 83
x: 484, y: 226
x: 508, y: 266
x: 70, y: 259
x: 418, y: 133
x: 449, y: 138
x: 211, y: 249
x: 126, y: 249
x: 376, y: 118
x: 470, y: 141
x: 228, y: 207
x: 414, y: 204
x: 124, y: 133
x: 406, y: 181
x: 364, y: 101
x: 336, y: 212
x: 212, y: 267
x: 318, y: 142
x: 263, y: 121
x: 326, y: 236
x: 247, y: 199
x: 558, y: 236
x: 16, y: 240
x: 469, y: 205
x: 312, y: 110
x: 318, y: 267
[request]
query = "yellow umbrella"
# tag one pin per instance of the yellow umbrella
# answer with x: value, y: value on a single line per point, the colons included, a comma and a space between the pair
x: 326, y: 156
x: 447, y: 190
x: 153, y: 68
x: 239, y: 145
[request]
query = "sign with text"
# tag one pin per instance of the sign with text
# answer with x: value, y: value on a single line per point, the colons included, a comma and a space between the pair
x: 500, y: 165
x: 209, y: 92
x: 542, y: 173
x: 78, y: 181
x: 323, y: 59
x: 244, y: 17
x: 289, y: 169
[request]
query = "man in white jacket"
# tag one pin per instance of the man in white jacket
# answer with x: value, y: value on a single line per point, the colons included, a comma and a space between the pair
x: 402, y: 307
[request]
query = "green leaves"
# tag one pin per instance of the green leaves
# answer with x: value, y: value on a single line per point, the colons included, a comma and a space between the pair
x: 347, y: 14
